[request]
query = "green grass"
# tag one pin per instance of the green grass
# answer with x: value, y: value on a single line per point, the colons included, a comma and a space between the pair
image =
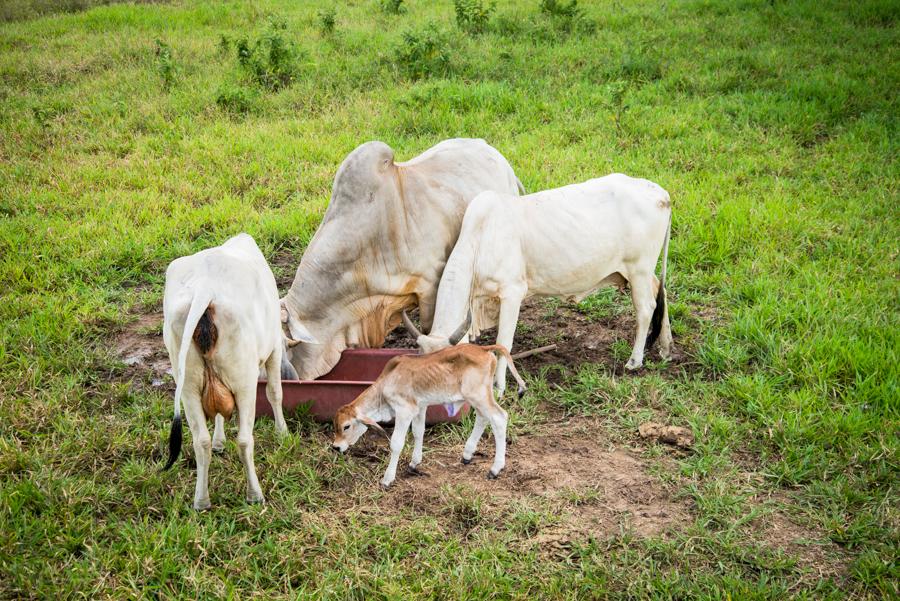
x: 773, y: 125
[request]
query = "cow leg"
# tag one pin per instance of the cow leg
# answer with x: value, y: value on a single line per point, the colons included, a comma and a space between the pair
x: 246, y: 406
x: 481, y: 423
x: 418, y: 431
x: 499, y: 419
x: 193, y: 411
x: 218, y: 439
x: 273, y: 390
x: 506, y: 331
x: 398, y: 439
x: 644, y: 302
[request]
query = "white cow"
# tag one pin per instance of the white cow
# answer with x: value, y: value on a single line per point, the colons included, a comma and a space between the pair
x: 565, y: 242
x: 222, y: 324
x: 382, y: 244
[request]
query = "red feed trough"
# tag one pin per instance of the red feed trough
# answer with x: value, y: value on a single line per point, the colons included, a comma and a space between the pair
x: 355, y: 372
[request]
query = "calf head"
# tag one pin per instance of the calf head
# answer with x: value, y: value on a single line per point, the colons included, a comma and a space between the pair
x: 349, y: 426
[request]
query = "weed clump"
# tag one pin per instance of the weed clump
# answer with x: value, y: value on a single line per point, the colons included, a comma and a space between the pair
x: 327, y: 20
x: 165, y: 64
x: 423, y: 53
x: 472, y: 16
x: 236, y: 98
x: 566, y: 17
x: 272, y: 60
x: 393, y: 7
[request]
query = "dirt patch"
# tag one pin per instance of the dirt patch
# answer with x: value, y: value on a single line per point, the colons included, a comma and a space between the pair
x: 140, y: 346
x: 559, y: 487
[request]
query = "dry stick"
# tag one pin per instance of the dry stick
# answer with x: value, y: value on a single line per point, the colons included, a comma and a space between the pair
x: 534, y: 351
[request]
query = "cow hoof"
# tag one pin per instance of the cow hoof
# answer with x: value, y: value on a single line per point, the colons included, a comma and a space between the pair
x: 384, y: 486
x: 466, y: 461
x: 256, y: 499
x: 218, y: 450
x: 492, y: 476
x: 413, y: 471
x: 202, y: 505
x: 633, y: 365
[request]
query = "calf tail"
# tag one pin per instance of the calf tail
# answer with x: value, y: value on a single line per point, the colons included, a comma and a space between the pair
x: 512, y: 366
x: 660, y: 310
x: 199, y: 304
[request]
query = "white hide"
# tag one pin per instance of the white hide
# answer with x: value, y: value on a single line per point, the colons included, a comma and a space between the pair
x: 564, y: 242
x: 237, y: 281
x: 382, y: 244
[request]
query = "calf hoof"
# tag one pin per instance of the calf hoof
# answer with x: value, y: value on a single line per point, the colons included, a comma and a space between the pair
x: 493, y: 476
x: 255, y: 499
x: 202, y: 505
x: 414, y: 471
x: 466, y: 461
x: 385, y: 485
x: 218, y: 449
x: 633, y: 365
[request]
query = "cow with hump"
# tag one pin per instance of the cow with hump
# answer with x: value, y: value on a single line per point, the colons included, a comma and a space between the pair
x: 222, y: 324
x: 565, y: 242
x: 383, y: 243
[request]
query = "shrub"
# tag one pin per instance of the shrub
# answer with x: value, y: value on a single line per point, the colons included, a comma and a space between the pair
x: 567, y: 17
x: 165, y: 64
x: 393, y: 7
x: 327, y: 20
x: 473, y: 15
x: 236, y: 98
x: 272, y: 60
x: 423, y: 53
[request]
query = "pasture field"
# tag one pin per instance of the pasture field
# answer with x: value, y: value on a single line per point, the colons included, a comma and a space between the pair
x: 132, y: 134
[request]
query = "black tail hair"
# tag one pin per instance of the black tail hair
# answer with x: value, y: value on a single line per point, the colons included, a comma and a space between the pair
x: 657, y: 319
x: 174, y: 442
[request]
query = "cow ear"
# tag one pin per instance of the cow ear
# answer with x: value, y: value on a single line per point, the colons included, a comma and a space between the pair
x: 298, y: 332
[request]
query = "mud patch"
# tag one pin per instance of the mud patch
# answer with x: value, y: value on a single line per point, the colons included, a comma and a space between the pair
x: 140, y: 347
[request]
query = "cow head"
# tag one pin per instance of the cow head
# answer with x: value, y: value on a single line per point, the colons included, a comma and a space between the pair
x: 429, y: 343
x: 349, y: 426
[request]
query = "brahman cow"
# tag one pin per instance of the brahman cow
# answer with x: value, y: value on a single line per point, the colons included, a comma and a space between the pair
x: 382, y: 244
x: 222, y: 324
x: 410, y: 384
x: 565, y: 242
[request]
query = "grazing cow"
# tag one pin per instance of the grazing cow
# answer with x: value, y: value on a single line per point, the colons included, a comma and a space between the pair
x: 221, y: 324
x: 565, y: 242
x: 409, y: 384
x: 382, y: 244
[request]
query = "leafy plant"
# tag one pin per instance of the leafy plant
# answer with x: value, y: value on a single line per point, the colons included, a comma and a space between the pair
x: 423, y: 53
x: 272, y: 60
x: 165, y: 64
x: 567, y: 17
x: 393, y: 7
x: 236, y: 98
x: 473, y: 15
x: 327, y: 20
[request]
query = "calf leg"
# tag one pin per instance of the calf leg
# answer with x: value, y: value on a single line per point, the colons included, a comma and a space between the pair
x: 499, y: 418
x: 273, y: 390
x: 246, y: 406
x: 418, y: 431
x: 218, y: 439
x: 644, y: 302
x: 193, y: 411
x: 398, y: 439
x: 472, y: 443
x: 506, y: 331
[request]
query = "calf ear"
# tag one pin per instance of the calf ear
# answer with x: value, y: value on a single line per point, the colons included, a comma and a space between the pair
x: 373, y: 424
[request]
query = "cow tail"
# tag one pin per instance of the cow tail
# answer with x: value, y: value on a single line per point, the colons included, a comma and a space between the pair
x: 512, y: 366
x: 199, y: 304
x: 660, y: 310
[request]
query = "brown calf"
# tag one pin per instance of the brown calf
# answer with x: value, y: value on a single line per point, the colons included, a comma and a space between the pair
x: 409, y: 384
